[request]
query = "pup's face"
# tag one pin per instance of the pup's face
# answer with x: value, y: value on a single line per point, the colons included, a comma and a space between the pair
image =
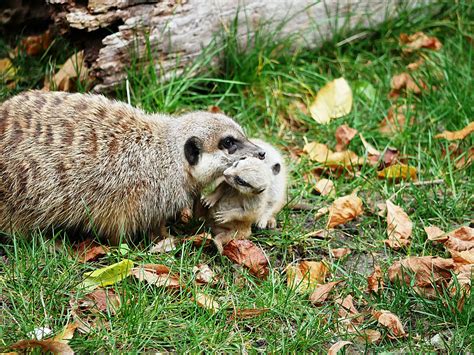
x: 250, y: 176
x: 215, y: 143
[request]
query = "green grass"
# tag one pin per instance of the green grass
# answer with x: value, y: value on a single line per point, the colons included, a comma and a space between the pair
x: 257, y: 86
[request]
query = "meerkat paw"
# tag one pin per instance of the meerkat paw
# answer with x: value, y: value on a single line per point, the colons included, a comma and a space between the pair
x: 208, y: 201
x: 222, y: 217
x: 272, y: 223
x: 262, y: 224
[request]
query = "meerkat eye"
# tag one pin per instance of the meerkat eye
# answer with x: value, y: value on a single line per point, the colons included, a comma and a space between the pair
x: 227, y: 143
x: 242, y: 182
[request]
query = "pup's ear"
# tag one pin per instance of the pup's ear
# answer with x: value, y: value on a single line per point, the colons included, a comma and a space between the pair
x: 192, y: 150
x: 276, y: 168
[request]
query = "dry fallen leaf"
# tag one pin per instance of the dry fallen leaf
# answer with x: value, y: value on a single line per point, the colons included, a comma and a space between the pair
x: 157, y: 275
x: 415, y: 65
x: 344, y: 135
x: 247, y: 313
x: 73, y: 70
x: 398, y: 172
x: 405, y: 81
x: 344, y: 209
x: 396, y: 120
x: 461, y: 158
x: 325, y: 187
x: 89, y: 250
x: 67, y: 333
x: 419, y: 40
x: 333, y: 100
x: 7, y: 72
x: 399, y: 227
x: 244, y: 252
x: 339, y: 253
x: 163, y: 246
x: 426, y: 271
x: 101, y: 301
x: 434, y: 233
x: 306, y: 275
x: 461, y: 134
x: 368, y: 147
x: 207, y: 302
x: 375, y: 280
x: 49, y: 345
x: 334, y: 349
x: 461, y: 283
x: 459, y: 242
x: 320, y: 153
x: 321, y: 293
x: 392, y: 322
x: 370, y: 336
x: 347, y: 311
x: 37, y: 44
x: 200, y: 239
x: 203, y: 274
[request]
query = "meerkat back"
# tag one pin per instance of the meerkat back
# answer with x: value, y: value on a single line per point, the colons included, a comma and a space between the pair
x: 277, y: 192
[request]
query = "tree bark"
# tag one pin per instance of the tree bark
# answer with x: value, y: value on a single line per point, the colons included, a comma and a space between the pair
x: 181, y: 29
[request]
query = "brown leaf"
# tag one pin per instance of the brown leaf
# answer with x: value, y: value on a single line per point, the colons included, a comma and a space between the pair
x: 344, y: 135
x: 419, y: 40
x: 163, y: 246
x: 247, y: 313
x: 462, y: 284
x: 244, y: 252
x: 398, y: 172
x: 368, y: 147
x: 415, y: 65
x: 67, y: 333
x: 334, y: 349
x: 396, y: 119
x: 203, y: 274
x: 36, y: 44
x: 339, y: 253
x: 461, y: 134
x: 404, y: 81
x: 348, y: 311
x: 306, y: 275
x: 207, y: 302
x: 392, y: 322
x: 321, y: 293
x: 55, y: 347
x: 435, y: 233
x: 158, y: 275
x: 460, y: 157
x: 325, y: 187
x: 399, y: 227
x: 73, y: 70
x: 375, y: 280
x: 320, y: 153
x: 101, y: 300
x: 344, y: 209
x: 214, y: 109
x: 200, y: 239
x: 89, y: 250
x: 370, y: 336
x: 425, y: 270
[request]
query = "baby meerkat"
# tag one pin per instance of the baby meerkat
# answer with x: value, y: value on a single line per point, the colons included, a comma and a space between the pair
x: 238, y: 201
x: 76, y: 160
x: 276, y: 194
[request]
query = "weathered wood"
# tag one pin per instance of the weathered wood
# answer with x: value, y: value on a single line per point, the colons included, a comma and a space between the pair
x: 183, y: 28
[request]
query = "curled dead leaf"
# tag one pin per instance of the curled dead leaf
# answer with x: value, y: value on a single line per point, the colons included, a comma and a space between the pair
x: 370, y: 336
x: 435, y: 233
x: 37, y: 44
x: 325, y: 187
x: 405, y: 81
x: 203, y: 274
x: 200, y: 239
x: 334, y: 349
x: 320, y: 153
x: 101, y: 300
x: 392, y: 322
x: 157, y: 275
x: 67, y: 333
x: 55, y: 347
x: 461, y: 134
x: 461, y: 283
x: 344, y: 209
x: 207, y: 302
x: 347, y: 311
x: 321, y: 292
x: 415, y: 65
x: 306, y: 275
x: 344, y: 135
x: 89, y: 250
x: 396, y: 119
x: 375, y: 280
x: 164, y: 246
x: 399, y: 227
x: 333, y: 100
x: 339, y: 253
x: 244, y: 252
x: 72, y: 71
x: 415, y: 41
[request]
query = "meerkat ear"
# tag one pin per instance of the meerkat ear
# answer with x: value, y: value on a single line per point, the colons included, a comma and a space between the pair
x: 192, y: 150
x: 276, y: 168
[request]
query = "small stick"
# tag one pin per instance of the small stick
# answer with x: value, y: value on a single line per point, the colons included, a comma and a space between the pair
x: 418, y: 183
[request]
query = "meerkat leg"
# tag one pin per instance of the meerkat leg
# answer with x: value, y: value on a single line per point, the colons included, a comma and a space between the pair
x: 222, y: 217
x: 222, y: 239
x: 210, y: 200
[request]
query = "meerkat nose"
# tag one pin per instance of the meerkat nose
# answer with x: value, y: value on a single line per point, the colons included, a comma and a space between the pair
x: 261, y: 154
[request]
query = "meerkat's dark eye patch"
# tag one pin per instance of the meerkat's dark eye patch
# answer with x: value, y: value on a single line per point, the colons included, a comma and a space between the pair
x: 229, y: 143
x: 260, y: 191
x: 192, y: 150
x: 276, y: 168
x: 239, y: 181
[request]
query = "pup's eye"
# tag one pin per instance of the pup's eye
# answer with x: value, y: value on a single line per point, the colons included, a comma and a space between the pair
x: 228, y: 142
x: 240, y: 181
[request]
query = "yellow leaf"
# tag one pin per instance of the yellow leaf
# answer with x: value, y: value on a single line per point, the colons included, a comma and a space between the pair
x: 325, y: 187
x: 320, y: 153
x: 207, y: 302
x: 108, y: 275
x: 306, y: 275
x: 398, y: 171
x: 7, y: 70
x: 334, y: 100
x: 461, y: 134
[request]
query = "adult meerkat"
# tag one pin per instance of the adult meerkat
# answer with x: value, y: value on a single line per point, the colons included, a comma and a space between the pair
x: 238, y: 201
x: 277, y: 193
x: 76, y: 160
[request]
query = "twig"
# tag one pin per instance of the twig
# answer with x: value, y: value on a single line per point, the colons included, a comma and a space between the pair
x: 417, y: 183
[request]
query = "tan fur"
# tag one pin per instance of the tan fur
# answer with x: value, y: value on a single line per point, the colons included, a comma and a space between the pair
x: 76, y: 160
x: 234, y: 208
